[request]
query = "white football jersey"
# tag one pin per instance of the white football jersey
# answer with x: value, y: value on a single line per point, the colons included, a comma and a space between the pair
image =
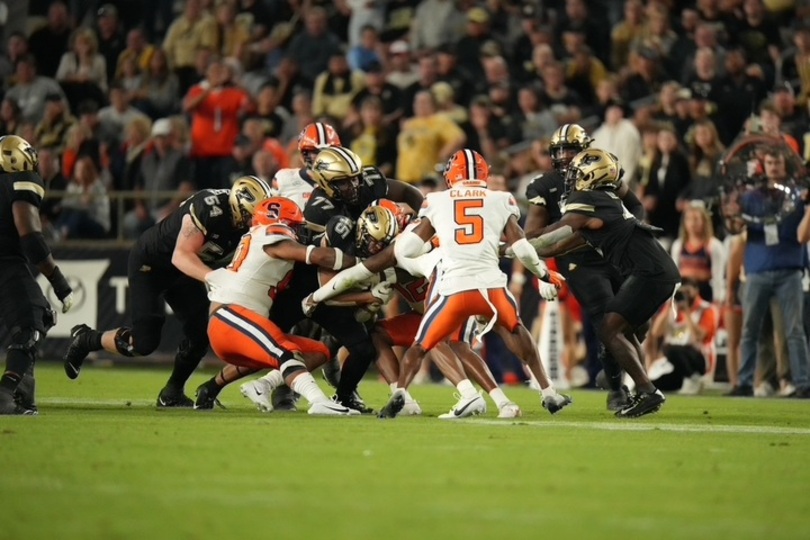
x: 291, y: 183
x: 253, y: 279
x: 469, y: 221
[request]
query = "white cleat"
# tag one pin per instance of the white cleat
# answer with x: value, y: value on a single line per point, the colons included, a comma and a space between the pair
x: 330, y: 408
x: 259, y: 391
x: 411, y: 408
x: 466, y: 407
x: 510, y: 410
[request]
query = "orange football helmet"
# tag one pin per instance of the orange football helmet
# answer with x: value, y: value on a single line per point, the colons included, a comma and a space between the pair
x: 466, y: 166
x: 315, y: 137
x: 280, y: 211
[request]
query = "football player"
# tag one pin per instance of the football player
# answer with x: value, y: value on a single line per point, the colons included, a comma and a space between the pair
x: 591, y: 278
x: 594, y: 214
x: 297, y: 184
x: 23, y: 308
x: 243, y: 294
x: 170, y: 261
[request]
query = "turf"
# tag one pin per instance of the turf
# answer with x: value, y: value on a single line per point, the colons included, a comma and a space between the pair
x: 101, y: 462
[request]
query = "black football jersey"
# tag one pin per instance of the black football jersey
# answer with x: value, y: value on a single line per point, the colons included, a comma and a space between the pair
x: 211, y: 213
x: 22, y: 186
x: 548, y: 190
x: 623, y: 240
x: 320, y: 208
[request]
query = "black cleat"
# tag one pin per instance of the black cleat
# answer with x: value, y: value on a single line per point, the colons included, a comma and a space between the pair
x: 394, y: 406
x: 24, y: 395
x: 355, y: 402
x: 331, y: 373
x: 207, y: 398
x: 173, y: 398
x: 284, y: 399
x: 642, y: 404
x: 556, y: 403
x: 9, y: 406
x: 77, y: 351
x: 618, y: 399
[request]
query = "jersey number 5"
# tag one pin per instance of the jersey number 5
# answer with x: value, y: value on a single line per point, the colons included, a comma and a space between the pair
x: 471, y: 230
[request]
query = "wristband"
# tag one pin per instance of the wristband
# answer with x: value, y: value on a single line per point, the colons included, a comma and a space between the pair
x: 338, y: 259
x: 60, y: 284
x: 308, y: 258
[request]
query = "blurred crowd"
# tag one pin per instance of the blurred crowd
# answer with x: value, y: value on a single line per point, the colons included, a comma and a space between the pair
x: 162, y: 97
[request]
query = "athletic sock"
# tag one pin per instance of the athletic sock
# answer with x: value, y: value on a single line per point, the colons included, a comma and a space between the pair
x: 275, y: 379
x: 17, y: 363
x: 393, y: 386
x: 498, y: 397
x: 305, y: 385
x: 613, y: 373
x: 466, y: 389
x: 352, y: 373
x: 92, y: 340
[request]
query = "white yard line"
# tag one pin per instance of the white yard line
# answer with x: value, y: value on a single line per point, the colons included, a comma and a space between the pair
x: 634, y: 425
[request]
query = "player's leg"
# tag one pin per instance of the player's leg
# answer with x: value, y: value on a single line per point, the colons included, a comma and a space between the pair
x: 475, y: 366
x: 398, y: 331
x: 470, y: 401
x: 147, y: 308
x: 26, y: 313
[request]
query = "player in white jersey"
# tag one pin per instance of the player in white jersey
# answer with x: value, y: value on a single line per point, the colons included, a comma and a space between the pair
x: 242, y: 295
x: 297, y: 184
x: 468, y: 220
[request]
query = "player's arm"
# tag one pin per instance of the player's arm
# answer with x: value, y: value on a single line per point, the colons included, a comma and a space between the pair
x: 537, y: 219
x: 630, y: 200
x: 563, y: 236
x: 326, y: 257
x: 401, y: 192
x: 190, y: 241
x: 32, y: 242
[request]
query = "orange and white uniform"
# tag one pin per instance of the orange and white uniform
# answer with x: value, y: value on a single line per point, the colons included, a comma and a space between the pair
x: 240, y: 331
x: 294, y: 185
x: 469, y: 220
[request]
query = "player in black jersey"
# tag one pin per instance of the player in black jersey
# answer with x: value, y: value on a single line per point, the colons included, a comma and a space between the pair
x: 592, y: 280
x: 23, y: 308
x: 595, y: 215
x: 169, y: 263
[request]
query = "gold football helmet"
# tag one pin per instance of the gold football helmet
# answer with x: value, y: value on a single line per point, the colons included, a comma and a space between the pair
x: 594, y: 169
x: 338, y: 171
x: 17, y: 155
x: 376, y: 228
x: 246, y: 194
x: 566, y: 142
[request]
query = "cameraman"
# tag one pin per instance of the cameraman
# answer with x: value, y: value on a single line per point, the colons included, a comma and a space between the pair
x: 773, y: 263
x: 687, y: 331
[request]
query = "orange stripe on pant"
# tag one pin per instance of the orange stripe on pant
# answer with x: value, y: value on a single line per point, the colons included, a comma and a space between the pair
x: 242, y: 337
x: 447, y: 314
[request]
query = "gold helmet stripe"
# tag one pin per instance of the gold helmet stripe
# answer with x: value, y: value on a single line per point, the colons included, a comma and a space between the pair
x: 348, y: 157
x: 264, y: 185
x: 564, y: 133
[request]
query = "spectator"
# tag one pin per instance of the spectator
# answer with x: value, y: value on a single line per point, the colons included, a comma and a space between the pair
x: 16, y: 48
x: 162, y: 168
x: 335, y: 88
x: 485, y: 133
x: 535, y: 121
x: 157, y: 95
x: 621, y: 137
x: 86, y: 205
x: 376, y: 142
x: 772, y: 125
x: 705, y: 152
x: 626, y: 32
x: 564, y: 103
x: 364, y: 15
x: 268, y: 110
x: 669, y: 178
x: 193, y: 30
x: 130, y: 77
x: 311, y: 49
x: 687, y: 330
x: 774, y: 255
x: 402, y: 73
x: 126, y: 161
x: 426, y: 140
x: 436, y: 23
x: 684, y: 46
x: 137, y: 49
x: 114, y: 118
x: 646, y: 75
x: 76, y: 137
x: 55, y: 122
x: 445, y: 103
x: 758, y: 34
x: 110, y: 38
x: 82, y: 71
x: 793, y: 69
x: 389, y: 95
x: 428, y: 76
x: 10, y: 116
x: 215, y: 108
x: 397, y: 19
x: 448, y: 70
x: 50, y: 42
x: 542, y: 56
x: 468, y: 48
x: 30, y: 89
x: 738, y: 92
x: 364, y: 55
x: 233, y: 30
x: 577, y: 16
x: 265, y: 165
x: 584, y: 73
x: 301, y: 116
x: 53, y: 179
x: 700, y: 256
x: 657, y: 34
x: 792, y: 118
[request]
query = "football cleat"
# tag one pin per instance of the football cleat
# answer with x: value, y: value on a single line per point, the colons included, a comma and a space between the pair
x: 465, y: 407
x: 284, y: 398
x: 259, y: 392
x: 642, y: 404
x: 331, y: 373
x: 77, y: 351
x: 8, y: 405
x: 411, y: 407
x: 394, y: 405
x: 331, y: 408
x: 354, y: 401
x: 207, y: 398
x: 24, y: 395
x: 618, y: 399
x: 510, y: 410
x: 171, y: 397
x: 556, y: 403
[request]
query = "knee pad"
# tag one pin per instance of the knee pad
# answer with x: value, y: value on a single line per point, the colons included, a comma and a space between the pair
x: 26, y: 340
x: 124, y: 344
x: 291, y: 367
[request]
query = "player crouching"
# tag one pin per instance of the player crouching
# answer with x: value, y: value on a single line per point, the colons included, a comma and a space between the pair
x: 242, y: 294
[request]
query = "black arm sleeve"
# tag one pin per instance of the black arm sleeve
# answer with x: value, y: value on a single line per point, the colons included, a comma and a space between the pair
x: 634, y: 205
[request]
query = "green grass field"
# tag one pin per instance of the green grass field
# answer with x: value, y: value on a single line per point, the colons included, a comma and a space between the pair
x: 100, y: 462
